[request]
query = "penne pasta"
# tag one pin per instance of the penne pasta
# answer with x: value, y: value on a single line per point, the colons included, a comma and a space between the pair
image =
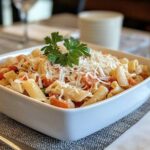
x: 121, y: 77
x: 71, y: 92
x: 11, y: 75
x: 116, y: 89
x: 124, y: 61
x: 36, y: 53
x: 4, y: 82
x: 17, y: 87
x: 99, y: 95
x: 132, y: 65
x: 33, y: 90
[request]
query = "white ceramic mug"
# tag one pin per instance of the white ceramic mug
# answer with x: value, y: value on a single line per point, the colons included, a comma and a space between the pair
x: 101, y: 27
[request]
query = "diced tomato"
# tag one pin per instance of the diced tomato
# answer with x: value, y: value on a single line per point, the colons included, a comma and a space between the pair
x: 66, y: 79
x: 111, y: 79
x: 132, y: 81
x: 59, y: 103
x: 1, y: 76
x: 144, y: 75
x: 78, y: 104
x: 46, y: 82
x: 37, y: 79
x: 14, y: 68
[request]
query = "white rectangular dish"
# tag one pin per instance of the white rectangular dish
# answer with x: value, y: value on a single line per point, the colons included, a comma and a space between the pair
x: 73, y: 124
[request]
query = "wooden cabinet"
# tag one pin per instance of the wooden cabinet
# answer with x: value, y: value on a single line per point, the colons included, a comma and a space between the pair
x: 137, y: 12
x: 0, y: 12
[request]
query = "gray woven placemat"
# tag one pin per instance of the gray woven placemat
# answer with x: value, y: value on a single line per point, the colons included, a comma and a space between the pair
x: 96, y: 141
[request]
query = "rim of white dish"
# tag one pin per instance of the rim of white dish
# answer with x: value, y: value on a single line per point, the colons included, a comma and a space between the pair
x: 97, y: 16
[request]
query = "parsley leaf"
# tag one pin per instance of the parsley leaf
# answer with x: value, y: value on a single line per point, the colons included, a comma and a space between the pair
x: 74, y: 47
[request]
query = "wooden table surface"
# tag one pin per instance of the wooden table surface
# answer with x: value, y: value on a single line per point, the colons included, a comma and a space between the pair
x: 131, y: 41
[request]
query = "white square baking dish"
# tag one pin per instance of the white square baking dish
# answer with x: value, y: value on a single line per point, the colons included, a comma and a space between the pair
x: 72, y: 124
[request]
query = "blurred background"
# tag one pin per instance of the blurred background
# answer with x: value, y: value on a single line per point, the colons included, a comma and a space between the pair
x: 136, y: 11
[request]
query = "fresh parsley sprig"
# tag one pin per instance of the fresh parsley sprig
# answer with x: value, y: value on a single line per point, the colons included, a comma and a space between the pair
x: 51, y: 50
x: 75, y: 49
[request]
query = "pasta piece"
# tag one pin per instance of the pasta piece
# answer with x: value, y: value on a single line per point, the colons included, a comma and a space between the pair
x: 42, y: 67
x: 139, y: 69
x: 116, y: 89
x: 21, y: 74
x: 10, y: 61
x: 113, y: 73
x: 4, y: 82
x: 121, y: 77
x: 132, y: 65
x: 21, y: 57
x: 33, y: 90
x: 70, y: 92
x: 9, y: 86
x: 36, y: 53
x: 11, y: 75
x: 33, y: 76
x: 145, y: 71
x: 99, y: 95
x: 17, y: 87
x: 124, y: 61
x: 70, y: 103
x: 135, y: 80
x: 139, y: 79
x: 4, y: 70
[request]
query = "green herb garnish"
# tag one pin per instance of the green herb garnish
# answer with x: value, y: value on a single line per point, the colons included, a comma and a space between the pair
x: 43, y: 90
x: 75, y: 49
